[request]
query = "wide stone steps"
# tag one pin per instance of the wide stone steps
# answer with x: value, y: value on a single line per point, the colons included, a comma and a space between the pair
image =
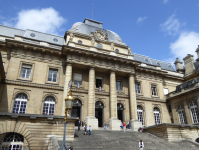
x: 117, y: 140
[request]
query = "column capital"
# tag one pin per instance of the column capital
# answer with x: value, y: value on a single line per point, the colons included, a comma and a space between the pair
x: 69, y: 64
x: 91, y: 67
x: 112, y: 70
x: 131, y: 74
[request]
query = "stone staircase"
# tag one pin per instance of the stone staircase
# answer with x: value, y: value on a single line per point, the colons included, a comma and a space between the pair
x: 117, y: 140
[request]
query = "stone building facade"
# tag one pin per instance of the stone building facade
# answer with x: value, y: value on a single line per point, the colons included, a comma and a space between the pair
x: 109, y: 82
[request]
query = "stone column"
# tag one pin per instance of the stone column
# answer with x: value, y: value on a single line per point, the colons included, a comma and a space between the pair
x: 187, y: 113
x: 91, y: 120
x: 114, y: 122
x: 68, y: 77
x: 135, y: 124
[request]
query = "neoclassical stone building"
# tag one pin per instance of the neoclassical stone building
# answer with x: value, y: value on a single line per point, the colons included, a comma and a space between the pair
x: 109, y: 83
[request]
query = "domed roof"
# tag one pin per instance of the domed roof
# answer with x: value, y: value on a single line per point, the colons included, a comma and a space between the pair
x: 177, y: 61
x: 89, y: 26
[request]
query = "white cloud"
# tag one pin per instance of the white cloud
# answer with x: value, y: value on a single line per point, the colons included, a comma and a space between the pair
x: 171, y: 25
x: 186, y: 43
x: 165, y: 1
x: 141, y: 19
x: 45, y: 20
x: 198, y: 5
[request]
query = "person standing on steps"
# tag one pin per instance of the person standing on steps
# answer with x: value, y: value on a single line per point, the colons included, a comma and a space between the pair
x: 141, y: 145
x: 79, y: 124
x: 85, y: 129
x: 124, y: 126
x: 104, y: 125
x: 89, y: 129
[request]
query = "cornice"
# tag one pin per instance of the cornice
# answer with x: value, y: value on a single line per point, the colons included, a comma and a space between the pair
x: 30, y: 84
x: 138, y: 97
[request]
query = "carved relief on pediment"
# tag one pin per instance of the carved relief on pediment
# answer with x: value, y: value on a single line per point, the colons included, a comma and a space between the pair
x: 100, y: 35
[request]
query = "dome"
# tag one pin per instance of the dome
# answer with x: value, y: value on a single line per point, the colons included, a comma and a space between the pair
x: 89, y: 26
x: 177, y: 61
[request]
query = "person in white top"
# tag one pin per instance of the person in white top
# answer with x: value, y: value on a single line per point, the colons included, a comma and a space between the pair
x: 89, y: 129
x: 141, y: 145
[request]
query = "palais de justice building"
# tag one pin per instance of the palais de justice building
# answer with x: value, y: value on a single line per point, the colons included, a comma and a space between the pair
x: 109, y: 83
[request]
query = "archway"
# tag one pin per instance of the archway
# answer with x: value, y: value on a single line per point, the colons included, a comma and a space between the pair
x: 99, y: 107
x: 120, y: 110
x: 76, y: 110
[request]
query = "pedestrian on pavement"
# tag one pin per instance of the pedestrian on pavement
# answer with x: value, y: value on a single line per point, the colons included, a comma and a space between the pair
x: 121, y: 125
x: 105, y: 125
x: 124, y: 126
x: 79, y: 124
x: 129, y: 124
x: 85, y: 129
x: 89, y: 130
x: 141, y: 145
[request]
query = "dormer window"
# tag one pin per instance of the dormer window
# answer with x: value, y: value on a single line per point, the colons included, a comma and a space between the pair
x: 79, y: 42
x: 117, y: 51
x: 99, y: 45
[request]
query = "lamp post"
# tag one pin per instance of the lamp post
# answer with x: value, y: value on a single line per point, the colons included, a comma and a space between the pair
x: 68, y: 106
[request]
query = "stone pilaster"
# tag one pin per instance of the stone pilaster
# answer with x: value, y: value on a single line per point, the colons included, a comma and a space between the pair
x: 68, y: 77
x: 135, y: 124
x: 91, y: 120
x: 114, y: 123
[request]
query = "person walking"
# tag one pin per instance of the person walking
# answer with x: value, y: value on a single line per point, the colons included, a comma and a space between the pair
x: 104, y: 125
x: 129, y: 124
x: 89, y: 129
x: 124, y: 126
x: 85, y: 129
x: 121, y: 126
x: 141, y: 145
x: 79, y: 124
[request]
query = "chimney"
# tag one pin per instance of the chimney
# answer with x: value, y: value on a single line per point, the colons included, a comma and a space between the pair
x: 178, y: 65
x: 189, y: 64
x: 197, y: 51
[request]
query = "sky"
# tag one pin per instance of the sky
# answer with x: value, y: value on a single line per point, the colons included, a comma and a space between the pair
x: 160, y: 29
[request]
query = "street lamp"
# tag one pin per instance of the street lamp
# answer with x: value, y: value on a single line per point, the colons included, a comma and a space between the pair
x: 68, y: 106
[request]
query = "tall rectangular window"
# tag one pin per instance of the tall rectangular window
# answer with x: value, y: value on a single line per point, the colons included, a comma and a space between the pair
x: 52, y: 75
x: 137, y: 88
x: 26, y: 71
x: 154, y: 90
x: 77, y: 79
x: 166, y: 91
x: 98, y: 82
x: 118, y: 85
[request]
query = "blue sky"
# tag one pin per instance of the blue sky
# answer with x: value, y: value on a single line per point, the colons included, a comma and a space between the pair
x: 160, y: 29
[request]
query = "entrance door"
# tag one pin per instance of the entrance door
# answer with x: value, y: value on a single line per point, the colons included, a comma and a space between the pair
x: 120, y: 109
x: 99, y: 113
x: 76, y: 110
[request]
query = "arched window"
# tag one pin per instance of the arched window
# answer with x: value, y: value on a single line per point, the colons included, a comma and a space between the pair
x: 99, y: 45
x: 117, y: 51
x: 12, y: 141
x: 156, y: 112
x: 79, y: 42
x: 49, y: 106
x: 194, y: 112
x: 182, y: 115
x: 20, y: 103
x: 140, y: 114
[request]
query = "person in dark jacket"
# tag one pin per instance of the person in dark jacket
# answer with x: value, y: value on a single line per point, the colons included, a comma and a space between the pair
x: 79, y: 124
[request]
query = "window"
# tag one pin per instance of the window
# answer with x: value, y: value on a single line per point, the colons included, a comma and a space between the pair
x: 98, y: 82
x: 140, y: 114
x: 49, y: 106
x: 52, y: 75
x: 157, y: 116
x: 166, y: 91
x: 12, y: 141
x: 194, y: 112
x: 99, y: 45
x: 79, y: 42
x: 117, y: 51
x: 20, y: 103
x: 153, y: 89
x: 118, y: 85
x: 182, y: 115
x: 26, y: 71
x: 77, y: 79
x: 137, y: 88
